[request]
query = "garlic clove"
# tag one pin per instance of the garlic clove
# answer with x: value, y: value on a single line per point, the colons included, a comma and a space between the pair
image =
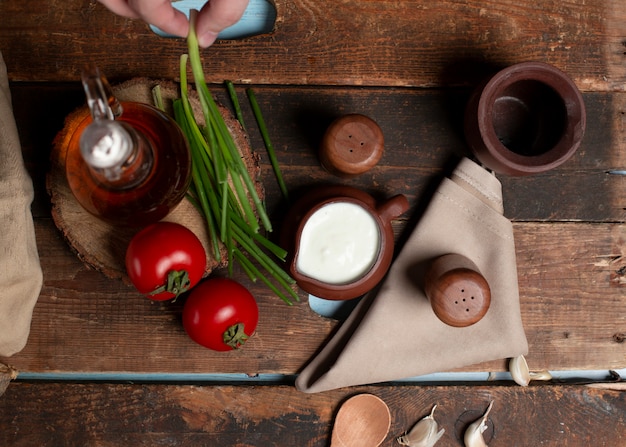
x: 7, y: 374
x: 518, y: 367
x: 424, y: 433
x: 540, y: 375
x: 474, y: 433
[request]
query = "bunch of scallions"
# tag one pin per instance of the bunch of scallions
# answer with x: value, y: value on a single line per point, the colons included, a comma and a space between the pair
x: 221, y: 186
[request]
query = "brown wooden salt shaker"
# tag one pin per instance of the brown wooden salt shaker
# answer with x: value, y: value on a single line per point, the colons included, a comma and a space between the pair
x: 352, y: 145
x: 459, y: 294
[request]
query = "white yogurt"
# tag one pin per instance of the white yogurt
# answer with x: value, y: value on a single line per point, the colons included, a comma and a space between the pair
x: 339, y: 243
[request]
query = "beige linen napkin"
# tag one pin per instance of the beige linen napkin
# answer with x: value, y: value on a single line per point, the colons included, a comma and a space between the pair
x: 21, y: 278
x: 394, y: 334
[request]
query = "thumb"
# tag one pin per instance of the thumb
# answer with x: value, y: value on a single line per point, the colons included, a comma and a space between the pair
x: 215, y: 16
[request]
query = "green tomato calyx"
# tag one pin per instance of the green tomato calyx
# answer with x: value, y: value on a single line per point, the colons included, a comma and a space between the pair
x: 177, y: 282
x: 235, y: 336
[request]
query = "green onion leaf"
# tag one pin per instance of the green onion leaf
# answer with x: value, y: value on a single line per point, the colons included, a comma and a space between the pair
x: 222, y: 189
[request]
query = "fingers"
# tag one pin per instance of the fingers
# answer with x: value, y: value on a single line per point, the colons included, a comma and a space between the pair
x: 215, y: 16
x: 159, y: 13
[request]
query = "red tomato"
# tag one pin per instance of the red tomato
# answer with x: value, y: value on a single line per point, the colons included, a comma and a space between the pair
x: 220, y: 314
x: 164, y: 260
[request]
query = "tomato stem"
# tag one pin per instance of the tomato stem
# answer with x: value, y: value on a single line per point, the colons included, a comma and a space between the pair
x: 235, y: 336
x: 177, y: 282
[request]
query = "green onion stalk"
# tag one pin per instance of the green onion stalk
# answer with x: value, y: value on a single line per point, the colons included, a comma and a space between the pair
x: 221, y: 186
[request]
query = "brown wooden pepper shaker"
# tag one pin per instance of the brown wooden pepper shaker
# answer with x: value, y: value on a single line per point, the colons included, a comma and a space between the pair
x: 352, y: 145
x: 459, y: 294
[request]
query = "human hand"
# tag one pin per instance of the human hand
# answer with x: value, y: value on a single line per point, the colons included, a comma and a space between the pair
x: 214, y: 16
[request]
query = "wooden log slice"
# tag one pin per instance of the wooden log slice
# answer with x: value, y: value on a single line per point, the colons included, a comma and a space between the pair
x: 101, y: 245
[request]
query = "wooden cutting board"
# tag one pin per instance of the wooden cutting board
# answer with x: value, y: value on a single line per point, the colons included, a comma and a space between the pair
x: 99, y: 244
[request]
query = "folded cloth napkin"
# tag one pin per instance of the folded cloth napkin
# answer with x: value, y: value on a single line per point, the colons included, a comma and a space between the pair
x: 21, y: 279
x: 393, y: 333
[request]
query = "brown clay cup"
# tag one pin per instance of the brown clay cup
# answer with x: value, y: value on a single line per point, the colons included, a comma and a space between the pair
x: 383, y: 214
x: 528, y: 118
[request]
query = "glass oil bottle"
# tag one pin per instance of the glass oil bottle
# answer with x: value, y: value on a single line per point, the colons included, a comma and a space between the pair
x: 128, y: 163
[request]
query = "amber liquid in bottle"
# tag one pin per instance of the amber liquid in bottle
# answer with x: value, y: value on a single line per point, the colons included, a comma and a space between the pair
x: 149, y: 185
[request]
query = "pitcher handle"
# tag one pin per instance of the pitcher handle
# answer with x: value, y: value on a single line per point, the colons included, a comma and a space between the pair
x: 393, y: 208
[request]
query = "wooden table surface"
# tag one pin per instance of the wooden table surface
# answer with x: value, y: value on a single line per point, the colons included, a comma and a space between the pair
x: 408, y: 65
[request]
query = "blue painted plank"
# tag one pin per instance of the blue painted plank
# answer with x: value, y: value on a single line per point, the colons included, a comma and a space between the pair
x: 284, y: 379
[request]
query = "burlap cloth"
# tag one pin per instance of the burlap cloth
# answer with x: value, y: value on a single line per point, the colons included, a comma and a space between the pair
x: 21, y: 279
x: 394, y: 334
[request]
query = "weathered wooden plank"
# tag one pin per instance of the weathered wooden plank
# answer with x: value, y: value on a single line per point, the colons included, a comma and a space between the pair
x: 49, y: 414
x: 571, y: 278
x: 413, y: 43
x: 572, y: 267
x: 423, y: 138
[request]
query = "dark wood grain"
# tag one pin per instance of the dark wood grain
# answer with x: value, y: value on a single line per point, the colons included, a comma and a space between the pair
x: 410, y: 66
x: 573, y: 266
x: 423, y: 141
x: 571, y: 278
x: 48, y: 414
x: 414, y: 43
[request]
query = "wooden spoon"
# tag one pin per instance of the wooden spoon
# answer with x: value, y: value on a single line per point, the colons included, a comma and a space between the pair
x: 362, y: 421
